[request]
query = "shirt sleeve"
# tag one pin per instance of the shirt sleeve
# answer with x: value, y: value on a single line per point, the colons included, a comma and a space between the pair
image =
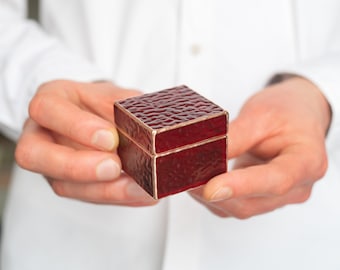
x: 28, y: 58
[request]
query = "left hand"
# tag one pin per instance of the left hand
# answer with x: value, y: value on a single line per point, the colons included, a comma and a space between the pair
x: 71, y: 139
x: 278, y: 141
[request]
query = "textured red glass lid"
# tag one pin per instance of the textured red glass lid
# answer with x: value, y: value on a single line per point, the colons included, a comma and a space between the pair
x: 170, y: 107
x: 178, y: 116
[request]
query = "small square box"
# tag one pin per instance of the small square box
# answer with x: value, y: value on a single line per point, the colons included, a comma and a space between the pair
x: 171, y: 140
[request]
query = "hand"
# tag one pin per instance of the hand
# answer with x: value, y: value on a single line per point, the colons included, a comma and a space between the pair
x: 70, y: 139
x: 278, y: 141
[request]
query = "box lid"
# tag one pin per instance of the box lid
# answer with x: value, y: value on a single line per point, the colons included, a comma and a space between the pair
x: 169, y: 119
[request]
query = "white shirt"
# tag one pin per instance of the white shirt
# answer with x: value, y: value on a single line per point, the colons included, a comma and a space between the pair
x: 226, y: 50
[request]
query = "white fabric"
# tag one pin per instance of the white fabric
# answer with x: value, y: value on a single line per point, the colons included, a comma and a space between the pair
x: 226, y: 50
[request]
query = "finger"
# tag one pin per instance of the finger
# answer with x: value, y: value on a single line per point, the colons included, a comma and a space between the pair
x: 36, y: 151
x: 73, y: 122
x: 248, y: 207
x: 294, y: 167
x: 123, y: 191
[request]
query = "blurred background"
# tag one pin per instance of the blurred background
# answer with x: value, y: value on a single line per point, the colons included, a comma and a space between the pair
x: 6, y: 163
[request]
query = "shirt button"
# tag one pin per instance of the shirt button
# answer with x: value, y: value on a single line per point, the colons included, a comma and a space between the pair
x: 195, y: 49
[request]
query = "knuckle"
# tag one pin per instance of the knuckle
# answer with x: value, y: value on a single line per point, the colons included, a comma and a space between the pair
x: 322, y: 166
x: 58, y: 188
x: 36, y: 106
x: 284, y: 185
x: 317, y: 162
x: 22, y: 156
x: 304, y: 196
x: 301, y: 194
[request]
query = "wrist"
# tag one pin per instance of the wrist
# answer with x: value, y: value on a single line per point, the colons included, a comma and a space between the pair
x: 321, y: 105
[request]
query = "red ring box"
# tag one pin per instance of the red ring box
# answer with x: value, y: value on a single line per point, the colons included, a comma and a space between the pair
x: 171, y: 140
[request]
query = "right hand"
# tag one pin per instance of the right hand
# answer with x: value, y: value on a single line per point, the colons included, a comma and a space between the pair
x: 70, y: 138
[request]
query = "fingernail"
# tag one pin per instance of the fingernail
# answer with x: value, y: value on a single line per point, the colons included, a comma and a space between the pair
x: 221, y: 194
x: 105, y: 139
x: 134, y: 191
x: 108, y: 169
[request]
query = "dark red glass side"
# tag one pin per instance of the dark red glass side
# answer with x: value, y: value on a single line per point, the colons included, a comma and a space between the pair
x: 189, y: 168
x: 136, y: 163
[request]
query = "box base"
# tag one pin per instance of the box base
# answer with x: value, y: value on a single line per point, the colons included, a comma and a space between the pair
x: 177, y: 171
